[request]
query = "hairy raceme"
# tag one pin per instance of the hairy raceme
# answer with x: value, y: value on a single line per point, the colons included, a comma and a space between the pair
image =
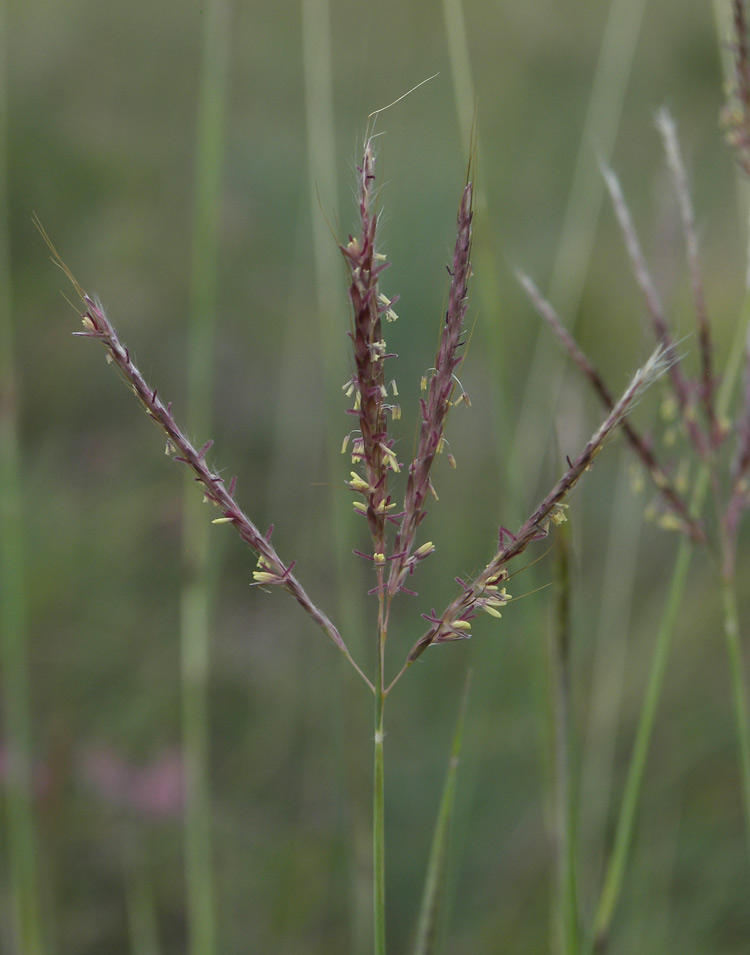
x: 484, y: 592
x: 372, y: 447
x: 434, y: 409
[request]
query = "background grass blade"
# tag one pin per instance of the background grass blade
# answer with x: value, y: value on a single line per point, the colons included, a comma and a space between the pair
x: 431, y: 910
x: 201, y: 563
x: 615, y: 871
x: 25, y: 916
x: 564, y: 831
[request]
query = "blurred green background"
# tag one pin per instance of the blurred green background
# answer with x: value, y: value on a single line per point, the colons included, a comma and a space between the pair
x: 101, y: 144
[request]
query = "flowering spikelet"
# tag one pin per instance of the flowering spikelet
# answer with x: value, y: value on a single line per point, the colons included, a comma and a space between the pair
x: 438, y: 401
x: 680, y: 517
x: 481, y: 593
x: 373, y: 447
x: 272, y: 571
x: 736, y: 113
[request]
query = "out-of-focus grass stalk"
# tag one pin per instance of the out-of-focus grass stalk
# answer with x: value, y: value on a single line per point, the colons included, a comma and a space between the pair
x: 574, y: 248
x: 723, y: 20
x: 613, y: 626
x: 331, y: 318
x: 200, y: 571
x: 486, y: 282
x: 739, y: 689
x: 22, y: 875
x: 723, y: 15
x: 626, y: 817
x: 564, y: 818
x: 433, y: 897
x: 458, y: 51
x: 142, y: 920
x: 321, y: 146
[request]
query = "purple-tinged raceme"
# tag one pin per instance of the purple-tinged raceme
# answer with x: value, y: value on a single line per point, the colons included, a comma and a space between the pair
x: 482, y: 592
x: 434, y: 408
x: 372, y: 447
x: 684, y: 394
x: 678, y: 515
x: 736, y: 113
x: 271, y: 570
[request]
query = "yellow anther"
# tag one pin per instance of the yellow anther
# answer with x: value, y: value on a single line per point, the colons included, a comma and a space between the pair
x: 670, y: 522
x: 424, y: 550
x: 383, y: 507
x: 558, y: 515
x: 390, y: 458
x: 358, y: 484
x: 264, y: 577
x: 491, y: 610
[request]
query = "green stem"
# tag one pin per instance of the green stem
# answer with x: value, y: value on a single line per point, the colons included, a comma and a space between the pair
x: 567, y: 897
x: 378, y: 813
x: 195, y: 655
x: 378, y: 831
x: 433, y: 896
x: 626, y: 818
x: 199, y: 586
x: 578, y: 230
x: 25, y: 906
x: 623, y: 834
x: 739, y: 689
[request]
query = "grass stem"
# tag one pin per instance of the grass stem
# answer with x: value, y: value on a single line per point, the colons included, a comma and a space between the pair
x: 739, y: 691
x: 564, y: 818
x: 626, y: 818
x: 378, y: 817
x: 200, y: 568
x: 26, y: 907
x: 433, y: 896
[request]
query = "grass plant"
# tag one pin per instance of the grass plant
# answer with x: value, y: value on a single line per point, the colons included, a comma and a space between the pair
x: 393, y: 486
x: 395, y: 553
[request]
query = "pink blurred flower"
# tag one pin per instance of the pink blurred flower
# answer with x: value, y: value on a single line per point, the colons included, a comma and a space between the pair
x: 155, y: 789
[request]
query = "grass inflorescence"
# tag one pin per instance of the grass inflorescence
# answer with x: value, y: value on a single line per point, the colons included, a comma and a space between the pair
x: 393, y: 493
x: 396, y: 551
